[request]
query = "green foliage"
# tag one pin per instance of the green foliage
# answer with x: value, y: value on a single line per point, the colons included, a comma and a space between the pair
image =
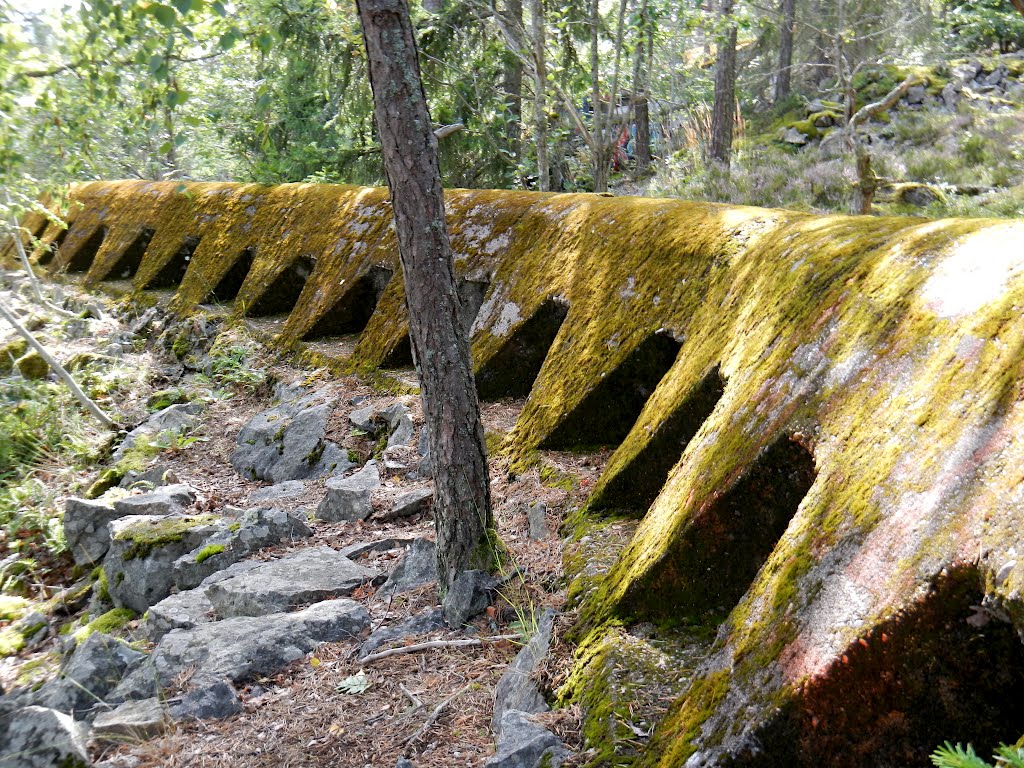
x: 231, y: 366
x: 981, y: 24
x: 949, y: 756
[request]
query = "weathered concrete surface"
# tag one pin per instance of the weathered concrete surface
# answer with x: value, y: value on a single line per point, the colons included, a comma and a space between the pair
x: 816, y: 416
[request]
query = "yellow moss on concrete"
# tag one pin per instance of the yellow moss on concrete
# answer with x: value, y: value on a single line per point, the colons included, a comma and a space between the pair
x: 891, y: 349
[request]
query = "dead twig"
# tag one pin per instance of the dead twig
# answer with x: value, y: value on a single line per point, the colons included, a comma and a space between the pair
x: 467, y: 642
x: 422, y: 730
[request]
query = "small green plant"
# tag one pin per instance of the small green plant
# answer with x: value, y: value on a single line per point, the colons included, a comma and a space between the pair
x: 949, y: 756
x: 230, y: 366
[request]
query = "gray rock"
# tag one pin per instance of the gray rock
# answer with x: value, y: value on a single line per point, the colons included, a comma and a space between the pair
x: 307, y: 576
x: 85, y: 529
x: 525, y: 744
x: 172, y: 420
x: 921, y: 196
x: 161, y: 502
x: 815, y: 106
x: 36, y: 737
x: 34, y: 627
x: 793, y: 136
x: 416, y: 568
x: 154, y: 477
x: 408, y: 504
x: 516, y: 689
x: 403, y: 434
x: 348, y: 498
x: 287, y: 442
x: 399, y: 423
x: 287, y: 490
x: 143, y: 550
x: 404, y: 762
x: 183, y: 610
x: 91, y: 673
x: 211, y: 702
x: 131, y: 721
x: 997, y: 77
x: 951, y: 95
x: 365, y: 419
x: 916, y: 94
x: 428, y: 621
x: 257, y: 529
x: 537, y: 517
x: 352, y: 551
x: 244, y: 647
x: 468, y: 595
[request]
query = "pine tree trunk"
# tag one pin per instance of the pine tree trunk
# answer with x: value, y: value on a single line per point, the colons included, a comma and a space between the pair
x: 723, y: 113
x: 462, y: 504
x: 783, y: 80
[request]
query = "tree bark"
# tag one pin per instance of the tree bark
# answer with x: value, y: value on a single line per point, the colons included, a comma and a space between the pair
x: 641, y: 107
x: 723, y: 113
x: 540, y: 84
x: 462, y: 503
x: 784, y: 79
x: 1019, y: 5
x: 512, y: 78
x: 643, y: 135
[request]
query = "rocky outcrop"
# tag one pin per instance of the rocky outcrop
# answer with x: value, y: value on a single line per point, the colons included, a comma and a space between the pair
x: 287, y: 442
x: 307, y: 576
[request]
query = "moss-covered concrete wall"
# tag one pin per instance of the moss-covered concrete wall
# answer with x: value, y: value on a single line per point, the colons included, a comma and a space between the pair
x: 868, y: 378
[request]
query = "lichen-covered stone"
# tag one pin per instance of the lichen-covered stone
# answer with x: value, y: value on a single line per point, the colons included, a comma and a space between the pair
x: 85, y: 529
x: 32, y: 366
x: 348, y: 498
x: 244, y: 647
x: 143, y: 549
x: 37, y: 737
x: 307, y: 576
x: 287, y: 442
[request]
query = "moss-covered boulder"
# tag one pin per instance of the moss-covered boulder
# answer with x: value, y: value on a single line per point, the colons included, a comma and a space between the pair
x: 32, y: 366
x: 140, y: 563
x: 9, y: 352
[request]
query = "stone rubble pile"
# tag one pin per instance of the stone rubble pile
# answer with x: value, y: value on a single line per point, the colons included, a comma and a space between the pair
x: 225, y: 618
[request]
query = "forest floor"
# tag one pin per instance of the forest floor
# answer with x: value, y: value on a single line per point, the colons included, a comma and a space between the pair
x: 297, y: 717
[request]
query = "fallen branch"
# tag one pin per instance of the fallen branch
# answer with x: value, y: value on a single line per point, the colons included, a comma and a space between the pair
x: 886, y: 103
x: 421, y: 731
x: 466, y: 642
x: 57, y: 368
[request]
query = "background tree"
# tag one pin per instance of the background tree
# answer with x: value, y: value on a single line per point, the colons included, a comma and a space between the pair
x: 723, y: 113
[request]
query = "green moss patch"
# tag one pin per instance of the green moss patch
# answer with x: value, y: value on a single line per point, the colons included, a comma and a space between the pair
x: 107, y: 624
x: 149, y: 534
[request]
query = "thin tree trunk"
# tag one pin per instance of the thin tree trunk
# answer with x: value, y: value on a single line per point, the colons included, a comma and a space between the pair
x: 57, y: 368
x: 643, y: 135
x: 462, y: 499
x: 821, y: 45
x: 513, y: 86
x: 723, y: 113
x: 540, y: 84
x: 783, y: 79
x: 604, y: 122
x: 641, y: 109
